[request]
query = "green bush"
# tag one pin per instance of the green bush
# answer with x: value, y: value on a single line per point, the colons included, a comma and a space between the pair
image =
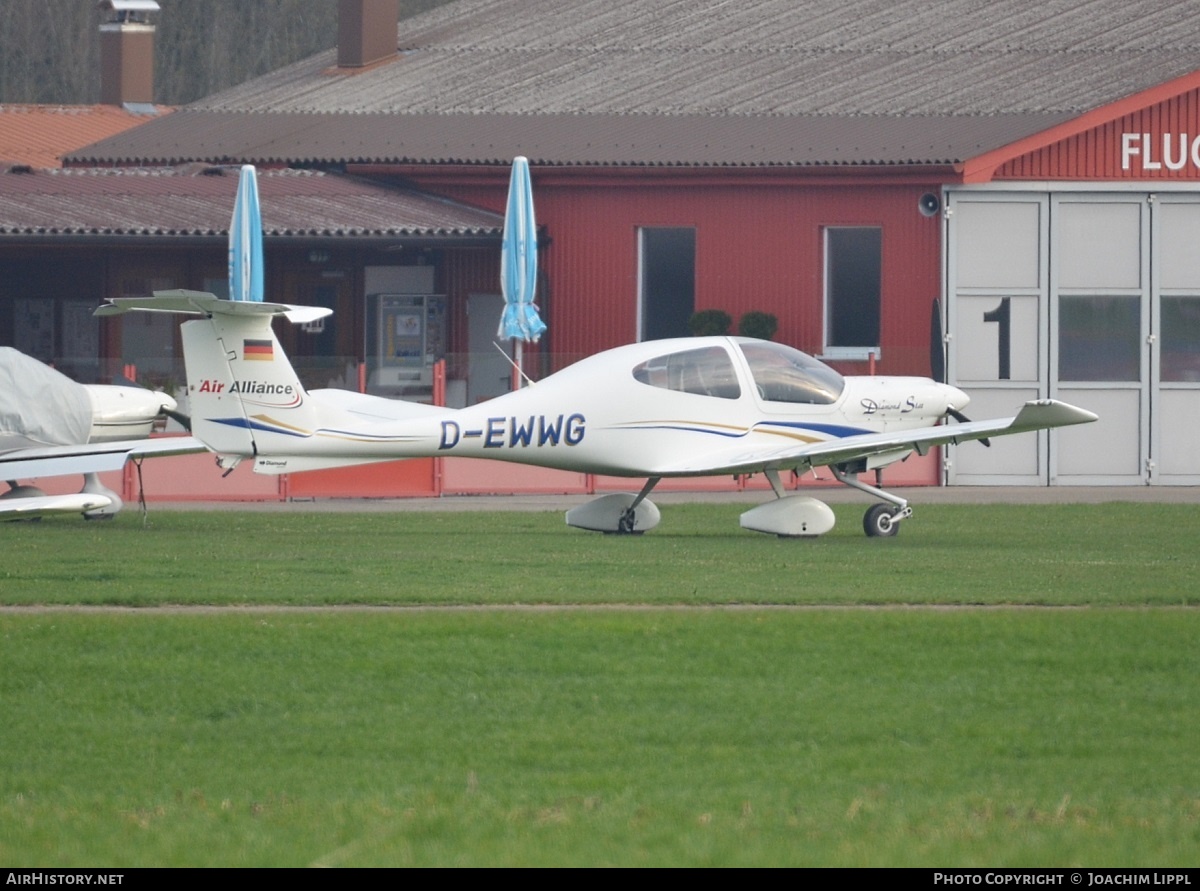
x: 709, y: 322
x: 762, y: 325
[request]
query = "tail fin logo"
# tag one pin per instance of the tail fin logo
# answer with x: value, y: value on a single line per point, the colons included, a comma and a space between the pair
x: 258, y: 350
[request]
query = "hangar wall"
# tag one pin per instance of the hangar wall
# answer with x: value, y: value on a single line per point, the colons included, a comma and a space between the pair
x: 759, y: 246
x: 1076, y: 276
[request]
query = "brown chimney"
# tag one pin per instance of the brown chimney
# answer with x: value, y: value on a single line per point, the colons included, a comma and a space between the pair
x: 366, y: 31
x: 127, y: 52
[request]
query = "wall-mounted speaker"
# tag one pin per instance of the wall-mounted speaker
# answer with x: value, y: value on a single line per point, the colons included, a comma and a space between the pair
x: 929, y: 205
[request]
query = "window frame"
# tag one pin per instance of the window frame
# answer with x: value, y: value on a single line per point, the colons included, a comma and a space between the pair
x: 831, y: 258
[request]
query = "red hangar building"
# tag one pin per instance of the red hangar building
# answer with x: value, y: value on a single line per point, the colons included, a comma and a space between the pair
x: 1015, y: 185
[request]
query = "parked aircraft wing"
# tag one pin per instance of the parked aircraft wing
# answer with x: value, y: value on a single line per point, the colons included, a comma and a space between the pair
x: 1035, y: 415
x: 93, y: 458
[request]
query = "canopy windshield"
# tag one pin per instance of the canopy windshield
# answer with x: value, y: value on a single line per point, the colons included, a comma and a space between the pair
x: 784, y: 374
x: 706, y: 371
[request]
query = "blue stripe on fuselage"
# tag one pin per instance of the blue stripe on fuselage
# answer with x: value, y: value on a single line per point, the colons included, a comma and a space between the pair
x: 831, y: 430
x: 247, y: 424
x: 838, y: 430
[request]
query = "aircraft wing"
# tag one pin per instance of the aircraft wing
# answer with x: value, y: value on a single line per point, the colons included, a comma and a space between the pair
x: 1036, y: 415
x: 94, y: 458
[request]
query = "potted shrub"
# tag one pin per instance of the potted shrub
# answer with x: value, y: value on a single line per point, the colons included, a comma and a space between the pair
x: 762, y: 325
x: 709, y: 322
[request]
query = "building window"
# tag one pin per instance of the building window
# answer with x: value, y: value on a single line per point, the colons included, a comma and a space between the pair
x: 1099, y: 338
x: 853, y: 260
x: 667, y: 267
x: 1180, y: 339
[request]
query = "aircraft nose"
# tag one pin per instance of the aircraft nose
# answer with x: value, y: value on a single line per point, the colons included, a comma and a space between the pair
x: 956, y: 398
x: 136, y: 401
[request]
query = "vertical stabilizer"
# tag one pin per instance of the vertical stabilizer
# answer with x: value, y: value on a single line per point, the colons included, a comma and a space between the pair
x: 243, y: 390
x: 245, y: 241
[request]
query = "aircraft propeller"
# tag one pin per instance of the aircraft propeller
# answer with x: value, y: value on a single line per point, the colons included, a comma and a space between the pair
x: 184, y: 421
x: 937, y: 361
x: 937, y: 344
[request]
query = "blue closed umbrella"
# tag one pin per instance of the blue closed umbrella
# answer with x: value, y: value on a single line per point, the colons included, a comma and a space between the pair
x: 518, y: 262
x: 245, y: 241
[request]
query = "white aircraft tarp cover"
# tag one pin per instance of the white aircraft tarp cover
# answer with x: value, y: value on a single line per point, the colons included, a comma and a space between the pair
x: 40, y: 403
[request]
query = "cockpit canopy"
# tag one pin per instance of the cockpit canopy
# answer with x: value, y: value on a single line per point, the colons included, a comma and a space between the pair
x: 781, y: 373
x: 784, y: 374
x: 707, y: 371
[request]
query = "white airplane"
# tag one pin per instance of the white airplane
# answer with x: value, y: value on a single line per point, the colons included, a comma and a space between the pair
x: 670, y: 408
x: 52, y: 426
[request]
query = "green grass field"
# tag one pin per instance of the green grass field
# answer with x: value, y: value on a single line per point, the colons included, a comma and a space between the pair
x: 1118, y: 554
x: 638, y: 731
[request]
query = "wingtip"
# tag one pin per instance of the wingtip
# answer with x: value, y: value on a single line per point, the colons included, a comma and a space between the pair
x: 1042, y: 413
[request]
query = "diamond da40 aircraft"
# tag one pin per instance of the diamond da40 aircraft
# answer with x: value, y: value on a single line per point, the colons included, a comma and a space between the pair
x: 669, y: 408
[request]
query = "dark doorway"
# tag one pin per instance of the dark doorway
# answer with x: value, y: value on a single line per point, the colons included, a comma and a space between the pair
x: 853, y: 264
x: 668, y: 281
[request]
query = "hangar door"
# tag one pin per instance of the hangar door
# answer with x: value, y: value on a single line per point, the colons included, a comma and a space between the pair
x: 1092, y: 298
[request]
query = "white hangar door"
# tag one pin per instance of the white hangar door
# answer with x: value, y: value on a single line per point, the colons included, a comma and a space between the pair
x: 1089, y: 298
x: 1099, y: 322
x: 1175, y: 325
x: 996, y: 311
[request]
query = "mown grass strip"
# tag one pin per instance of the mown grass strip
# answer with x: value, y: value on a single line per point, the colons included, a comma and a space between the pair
x: 1016, y: 737
x: 949, y: 554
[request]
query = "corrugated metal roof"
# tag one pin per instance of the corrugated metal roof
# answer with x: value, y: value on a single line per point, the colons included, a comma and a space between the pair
x: 198, y: 202
x: 680, y: 81
x: 764, y: 57
x: 675, y: 140
x: 39, y: 135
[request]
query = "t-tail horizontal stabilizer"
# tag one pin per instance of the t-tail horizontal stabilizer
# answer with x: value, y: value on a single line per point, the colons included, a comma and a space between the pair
x: 202, y: 303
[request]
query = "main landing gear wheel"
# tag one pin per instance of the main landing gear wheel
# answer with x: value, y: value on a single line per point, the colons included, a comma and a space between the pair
x: 625, y: 525
x: 879, y: 521
x: 619, y: 513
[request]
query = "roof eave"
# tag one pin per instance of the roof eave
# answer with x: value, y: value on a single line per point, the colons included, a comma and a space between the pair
x: 982, y: 168
x: 372, y: 241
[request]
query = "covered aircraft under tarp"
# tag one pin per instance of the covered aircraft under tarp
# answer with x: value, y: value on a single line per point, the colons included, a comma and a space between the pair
x: 38, y: 405
x: 52, y: 426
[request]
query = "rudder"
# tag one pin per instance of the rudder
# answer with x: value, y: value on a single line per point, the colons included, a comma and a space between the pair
x: 243, y: 389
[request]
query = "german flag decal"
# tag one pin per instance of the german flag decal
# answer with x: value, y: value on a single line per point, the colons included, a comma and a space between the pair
x: 258, y: 349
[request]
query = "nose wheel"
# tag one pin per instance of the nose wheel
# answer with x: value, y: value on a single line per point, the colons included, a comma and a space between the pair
x: 882, y: 520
